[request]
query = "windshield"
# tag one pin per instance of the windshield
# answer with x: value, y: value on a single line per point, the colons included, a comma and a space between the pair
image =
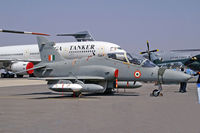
x: 132, y: 60
x: 126, y: 57
x: 119, y: 48
x: 147, y: 63
x: 117, y: 56
x: 115, y: 48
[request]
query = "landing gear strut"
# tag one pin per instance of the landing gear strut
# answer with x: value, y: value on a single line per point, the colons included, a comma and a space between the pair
x: 157, y: 92
x: 108, y: 91
x: 77, y: 94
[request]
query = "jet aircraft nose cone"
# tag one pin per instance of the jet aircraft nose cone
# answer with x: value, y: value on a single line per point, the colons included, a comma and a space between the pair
x: 171, y: 76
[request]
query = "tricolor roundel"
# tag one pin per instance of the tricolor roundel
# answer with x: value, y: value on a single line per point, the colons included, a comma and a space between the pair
x: 137, y: 74
x: 51, y: 57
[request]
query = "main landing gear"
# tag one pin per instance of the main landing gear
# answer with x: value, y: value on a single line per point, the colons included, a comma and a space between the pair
x: 157, y: 92
x: 77, y: 94
x: 108, y: 91
x: 7, y: 75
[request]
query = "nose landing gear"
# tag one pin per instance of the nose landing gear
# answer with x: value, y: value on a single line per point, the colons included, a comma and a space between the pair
x: 157, y: 92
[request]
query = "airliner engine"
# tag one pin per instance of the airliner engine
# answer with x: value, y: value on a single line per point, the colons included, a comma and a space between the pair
x: 22, y: 66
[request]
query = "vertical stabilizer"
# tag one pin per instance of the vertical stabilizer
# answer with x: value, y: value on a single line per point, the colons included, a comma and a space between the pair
x: 47, y: 51
x: 154, y: 58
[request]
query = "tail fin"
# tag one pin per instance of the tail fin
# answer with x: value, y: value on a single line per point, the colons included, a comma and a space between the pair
x: 154, y: 58
x: 47, y: 52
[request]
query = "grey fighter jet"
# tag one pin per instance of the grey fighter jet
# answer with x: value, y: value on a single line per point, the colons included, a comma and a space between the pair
x: 97, y: 74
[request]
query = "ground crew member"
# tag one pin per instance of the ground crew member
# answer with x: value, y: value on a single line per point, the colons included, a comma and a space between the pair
x: 198, y: 80
x: 183, y: 85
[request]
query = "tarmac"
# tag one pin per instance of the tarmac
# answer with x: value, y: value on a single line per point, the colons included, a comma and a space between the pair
x: 28, y: 106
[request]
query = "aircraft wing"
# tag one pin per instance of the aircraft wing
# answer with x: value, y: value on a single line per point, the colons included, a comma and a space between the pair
x: 70, y: 78
x: 23, y: 32
x: 192, y: 62
x: 186, y: 50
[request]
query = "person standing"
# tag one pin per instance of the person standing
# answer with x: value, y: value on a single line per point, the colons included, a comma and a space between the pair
x: 198, y: 86
x: 198, y: 80
x: 183, y: 85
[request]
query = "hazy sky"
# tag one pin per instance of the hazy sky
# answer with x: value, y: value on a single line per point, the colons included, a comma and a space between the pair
x: 167, y: 24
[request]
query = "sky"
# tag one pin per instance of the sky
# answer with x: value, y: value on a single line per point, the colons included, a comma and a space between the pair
x: 166, y: 24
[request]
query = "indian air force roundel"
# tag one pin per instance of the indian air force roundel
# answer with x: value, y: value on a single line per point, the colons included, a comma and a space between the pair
x: 137, y: 74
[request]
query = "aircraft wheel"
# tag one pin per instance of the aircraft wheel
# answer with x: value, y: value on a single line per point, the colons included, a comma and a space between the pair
x: 6, y: 75
x: 11, y: 75
x: 2, y: 75
x: 155, y: 93
x: 32, y: 75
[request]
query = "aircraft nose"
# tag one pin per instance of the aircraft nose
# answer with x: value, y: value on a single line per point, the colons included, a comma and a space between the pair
x: 171, y: 76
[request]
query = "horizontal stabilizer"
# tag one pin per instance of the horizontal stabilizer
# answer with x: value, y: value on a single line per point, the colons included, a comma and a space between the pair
x: 80, y: 36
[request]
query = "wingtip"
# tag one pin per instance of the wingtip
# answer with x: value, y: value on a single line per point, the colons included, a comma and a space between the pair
x: 34, y: 33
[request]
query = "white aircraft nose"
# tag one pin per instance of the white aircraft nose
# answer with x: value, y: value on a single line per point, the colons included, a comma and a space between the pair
x: 171, y: 76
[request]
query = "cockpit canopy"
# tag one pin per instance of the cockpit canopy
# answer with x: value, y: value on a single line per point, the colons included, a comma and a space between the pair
x: 126, y: 57
x: 115, y: 48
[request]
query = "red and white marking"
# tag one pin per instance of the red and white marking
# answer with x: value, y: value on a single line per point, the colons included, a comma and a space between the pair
x: 29, y: 66
x: 137, y: 74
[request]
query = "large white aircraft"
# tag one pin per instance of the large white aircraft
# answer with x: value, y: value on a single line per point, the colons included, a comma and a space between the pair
x: 21, y: 57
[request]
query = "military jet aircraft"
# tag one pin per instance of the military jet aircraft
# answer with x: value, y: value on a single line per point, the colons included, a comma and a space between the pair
x: 19, y: 57
x: 97, y: 74
x: 189, y: 58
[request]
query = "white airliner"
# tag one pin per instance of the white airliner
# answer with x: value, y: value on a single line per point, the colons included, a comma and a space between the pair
x: 21, y: 57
